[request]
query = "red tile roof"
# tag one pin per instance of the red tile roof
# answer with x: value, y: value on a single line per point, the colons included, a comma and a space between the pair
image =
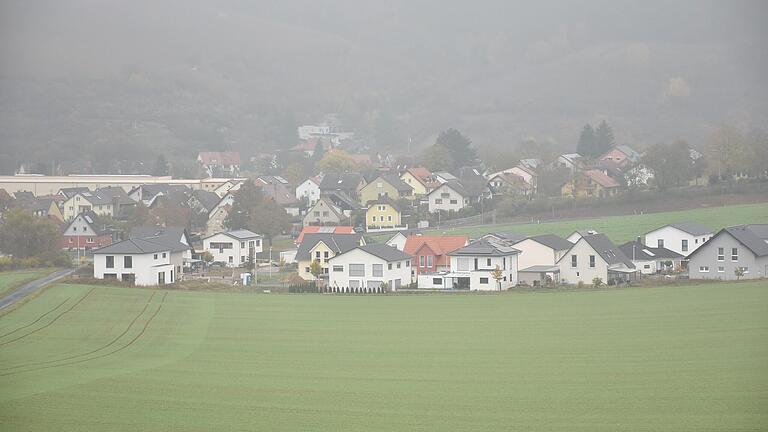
x: 603, y: 180
x: 440, y: 245
x: 219, y: 158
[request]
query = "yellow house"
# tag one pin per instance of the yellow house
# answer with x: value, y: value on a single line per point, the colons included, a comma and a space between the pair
x: 321, y: 247
x: 84, y: 201
x: 385, y: 186
x: 420, y: 179
x: 383, y: 213
x: 591, y: 183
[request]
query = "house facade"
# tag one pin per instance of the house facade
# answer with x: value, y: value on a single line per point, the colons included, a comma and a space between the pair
x: 324, y: 213
x: 84, y: 233
x: 420, y: 179
x: 683, y: 237
x: 233, y: 247
x: 541, y: 250
x: 651, y: 260
x: 309, y: 190
x: 370, y: 268
x: 590, y: 183
x: 383, y: 214
x: 140, y: 262
x: 430, y: 253
x: 473, y: 267
x: 321, y: 248
x: 82, y: 202
x: 385, y: 186
x: 595, y: 256
x: 742, y: 247
x: 449, y: 196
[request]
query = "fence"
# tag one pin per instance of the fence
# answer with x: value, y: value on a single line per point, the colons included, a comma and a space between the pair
x: 488, y: 217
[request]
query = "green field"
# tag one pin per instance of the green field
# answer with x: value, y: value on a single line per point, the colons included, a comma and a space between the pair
x: 695, y: 358
x: 625, y: 228
x: 11, y: 280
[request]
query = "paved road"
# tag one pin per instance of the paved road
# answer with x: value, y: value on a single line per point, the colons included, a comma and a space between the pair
x: 31, y: 287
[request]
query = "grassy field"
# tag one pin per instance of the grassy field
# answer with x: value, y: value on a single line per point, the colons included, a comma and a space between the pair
x: 11, y: 280
x: 694, y: 358
x: 624, y: 228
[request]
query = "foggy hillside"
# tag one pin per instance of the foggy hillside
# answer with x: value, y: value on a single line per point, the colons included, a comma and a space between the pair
x: 129, y: 79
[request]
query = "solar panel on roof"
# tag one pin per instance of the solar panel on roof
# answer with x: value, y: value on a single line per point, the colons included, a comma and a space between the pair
x: 327, y: 230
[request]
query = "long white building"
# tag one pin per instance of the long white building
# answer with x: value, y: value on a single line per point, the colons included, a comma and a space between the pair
x: 49, y: 185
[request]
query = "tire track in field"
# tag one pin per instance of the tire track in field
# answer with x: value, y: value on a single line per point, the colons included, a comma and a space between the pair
x: 112, y: 342
x: 115, y: 351
x: 52, y: 321
x: 35, y: 321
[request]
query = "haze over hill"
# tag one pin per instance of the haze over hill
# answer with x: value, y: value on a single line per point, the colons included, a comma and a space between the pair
x: 130, y: 79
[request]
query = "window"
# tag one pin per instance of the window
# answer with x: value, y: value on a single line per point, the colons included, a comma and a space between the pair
x: 721, y: 254
x: 164, y: 254
x: 454, y: 202
x: 155, y: 256
x: 684, y: 245
x: 242, y: 258
x: 258, y: 243
x: 574, y: 261
x: 445, y: 195
x: 325, y: 214
x: 399, y: 264
x: 660, y: 243
x: 721, y: 269
x: 161, y: 278
x: 338, y: 268
x: 696, y: 241
x: 110, y: 261
x: 373, y: 218
x: 317, y: 254
x: 128, y: 261
x: 242, y: 245
x: 250, y: 244
x: 745, y: 269
x: 438, y: 201
x: 306, y: 269
x: 378, y: 270
x: 220, y: 246
x: 704, y: 269
x: 317, y: 213
x: 437, y: 281
x: 430, y: 260
x: 421, y: 260
x: 325, y: 254
x: 356, y: 270
x: 110, y: 275
x: 74, y: 229
x: 407, y: 263
x: 488, y: 262
x: 647, y: 266
x: 591, y: 261
x: 484, y: 281
x: 89, y: 240
x: 229, y: 258
x: 389, y: 266
x: 735, y: 254
x: 389, y: 218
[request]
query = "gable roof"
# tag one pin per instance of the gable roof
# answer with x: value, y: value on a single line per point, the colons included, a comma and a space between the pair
x: 606, y: 249
x: 342, y: 200
x: 167, y: 236
x: 142, y: 246
x: 552, y: 241
x: 219, y: 158
x: 424, y: 176
x: 440, y: 245
x: 385, y: 252
x: 629, y: 152
x: 278, y: 193
x: 115, y: 193
x: 312, y: 229
x: 384, y: 200
x: 600, y: 178
x: 345, y: 181
x: 692, y: 228
x: 510, y: 237
x: 339, y: 243
x: 645, y: 253
x: 395, y: 181
x: 72, y: 191
x: 207, y: 199
x: 331, y: 206
x: 454, y: 185
x: 238, y: 234
x: 753, y: 237
x: 485, y: 248
x: 90, y: 218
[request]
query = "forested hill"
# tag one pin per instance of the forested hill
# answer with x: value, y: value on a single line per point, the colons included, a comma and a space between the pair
x: 129, y: 79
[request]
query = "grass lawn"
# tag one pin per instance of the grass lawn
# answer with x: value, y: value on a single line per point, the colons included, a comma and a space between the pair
x: 673, y: 358
x: 624, y: 228
x: 11, y: 280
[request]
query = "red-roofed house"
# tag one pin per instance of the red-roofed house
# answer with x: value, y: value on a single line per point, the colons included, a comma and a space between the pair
x: 420, y: 179
x: 590, y: 183
x: 220, y: 164
x: 314, y: 229
x: 430, y: 253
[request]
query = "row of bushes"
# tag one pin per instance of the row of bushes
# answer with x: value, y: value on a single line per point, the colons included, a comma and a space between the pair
x: 46, y: 260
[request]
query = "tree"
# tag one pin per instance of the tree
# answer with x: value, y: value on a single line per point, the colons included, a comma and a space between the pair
x: 729, y: 152
x: 497, y: 276
x: 604, y: 140
x: 316, y: 269
x: 739, y: 272
x: 597, y: 282
x: 671, y: 164
x: 337, y: 161
x: 437, y: 158
x: 319, y: 152
x: 298, y: 171
x: 207, y: 257
x: 245, y: 199
x: 268, y: 219
x: 161, y: 166
x: 23, y: 235
x: 459, y: 146
x: 586, y: 145
x: 139, y: 217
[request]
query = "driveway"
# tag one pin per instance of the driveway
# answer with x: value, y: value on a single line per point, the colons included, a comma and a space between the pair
x: 33, y: 286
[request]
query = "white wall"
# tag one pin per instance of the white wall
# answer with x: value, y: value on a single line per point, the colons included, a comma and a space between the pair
x: 145, y: 267
x: 436, y: 200
x: 466, y: 265
x: 342, y: 279
x: 310, y: 190
x: 434, y: 281
x: 534, y: 253
x: 582, y: 272
x: 397, y: 241
x: 673, y: 238
x: 238, y: 253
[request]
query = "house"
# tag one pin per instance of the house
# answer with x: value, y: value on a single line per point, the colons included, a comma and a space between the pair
x: 578, y: 234
x: 449, y: 196
x: 321, y: 247
x: 650, y: 260
x: 445, y: 177
x: 82, y: 202
x: 220, y: 164
x: 203, y: 201
x: 541, y: 250
x: 681, y: 237
x: 349, y: 183
x: 122, y: 204
x: 472, y: 267
x: 69, y: 192
x: 383, y: 214
x: 234, y: 248
x: 324, y: 213
x: 43, y: 207
x: 370, y: 268
x: 509, y: 185
x: 141, y: 261
x: 216, y: 219
x: 743, y: 247
x: 229, y: 186
x: 590, y: 183
x: 85, y: 233
x: 531, y: 164
x: 22, y: 196
x: 420, y: 179
x: 509, y: 238
x: 430, y: 253
x: 621, y: 155
x: 148, y: 193
x: 309, y: 190
x: 399, y: 238
x: 342, y: 201
x: 385, y: 186
x: 314, y: 229
x: 571, y: 161
x: 281, y: 195
x: 595, y: 256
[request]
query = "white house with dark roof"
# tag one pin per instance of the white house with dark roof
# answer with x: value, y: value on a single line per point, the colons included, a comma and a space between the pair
x: 595, y: 256
x: 651, y: 260
x: 742, y: 247
x: 233, y: 247
x: 368, y: 268
x: 545, y: 249
x: 472, y: 268
x: 681, y: 237
x: 449, y: 196
x: 140, y: 261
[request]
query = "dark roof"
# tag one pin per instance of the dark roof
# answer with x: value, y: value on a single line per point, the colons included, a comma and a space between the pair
x: 646, y: 253
x: 342, y: 200
x: 37, y: 204
x: 167, y: 236
x: 692, y: 228
x: 139, y: 246
x: 70, y: 191
x: 338, y: 243
x: 753, y: 237
x: 507, y: 236
x: 455, y: 185
x: 384, y: 200
x: 345, y: 182
x: 96, y: 199
x: 553, y: 241
x: 115, y: 192
x: 396, y: 182
x: 607, y: 250
x: 90, y: 217
x: 24, y: 195
x: 207, y: 199
x: 385, y: 252
x: 485, y: 248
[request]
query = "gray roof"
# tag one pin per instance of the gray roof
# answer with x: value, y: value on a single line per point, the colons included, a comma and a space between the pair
x: 540, y: 269
x: 345, y: 182
x: 112, y: 192
x: 396, y: 182
x: 692, y: 228
x: 342, y: 200
x: 553, y: 241
x: 240, y: 234
x: 646, y: 253
x: 207, y: 199
x: 168, y: 236
x: 607, y: 250
x: 90, y: 217
x: 139, y: 246
x: 453, y: 184
x: 71, y: 191
x: 485, y: 248
x: 753, y: 237
x: 630, y: 152
x: 385, y: 252
x: 339, y: 243
x: 511, y: 237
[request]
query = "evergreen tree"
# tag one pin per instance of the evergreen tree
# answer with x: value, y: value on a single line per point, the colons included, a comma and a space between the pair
x: 246, y: 198
x: 459, y: 147
x: 586, y: 146
x: 319, y: 152
x: 603, y: 138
